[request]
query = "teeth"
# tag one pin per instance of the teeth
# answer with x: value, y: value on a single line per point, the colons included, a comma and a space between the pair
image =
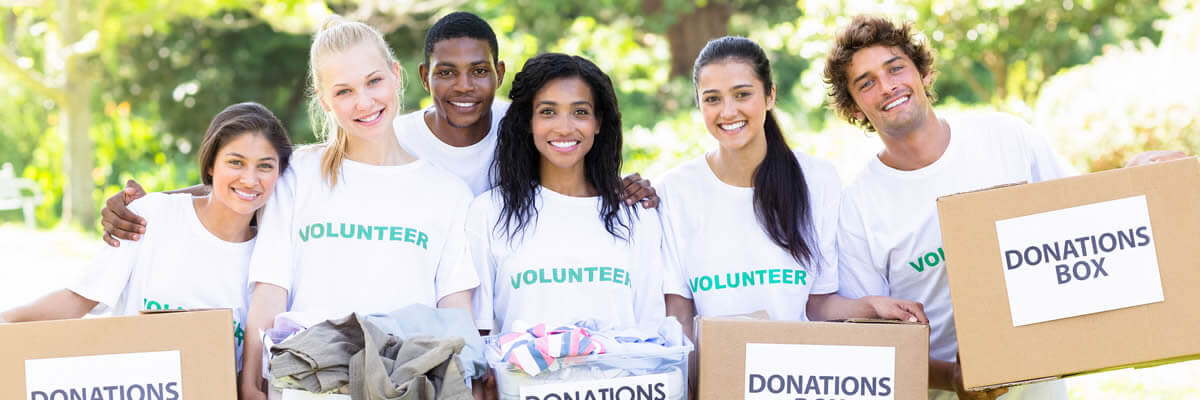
x: 893, y: 104
x: 735, y: 125
x: 563, y: 145
x: 246, y: 195
x: 372, y: 117
x: 461, y: 104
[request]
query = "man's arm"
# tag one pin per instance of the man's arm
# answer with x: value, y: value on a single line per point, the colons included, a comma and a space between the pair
x: 121, y: 223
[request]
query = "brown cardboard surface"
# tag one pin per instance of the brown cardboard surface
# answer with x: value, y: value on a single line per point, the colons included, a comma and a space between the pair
x: 722, y: 350
x: 204, y: 340
x: 994, y: 352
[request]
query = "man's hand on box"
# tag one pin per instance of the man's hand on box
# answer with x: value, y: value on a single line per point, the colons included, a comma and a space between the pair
x: 1154, y: 156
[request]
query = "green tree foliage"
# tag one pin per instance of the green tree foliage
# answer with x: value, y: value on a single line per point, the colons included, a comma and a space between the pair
x: 158, y: 71
x: 57, y: 49
x: 1131, y: 99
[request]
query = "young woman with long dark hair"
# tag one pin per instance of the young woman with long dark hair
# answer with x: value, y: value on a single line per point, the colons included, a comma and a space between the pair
x: 752, y: 225
x: 553, y: 242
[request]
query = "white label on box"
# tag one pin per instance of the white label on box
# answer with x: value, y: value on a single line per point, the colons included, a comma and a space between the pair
x: 809, y: 372
x: 293, y: 394
x: 645, y: 387
x: 153, y: 375
x: 1079, y: 260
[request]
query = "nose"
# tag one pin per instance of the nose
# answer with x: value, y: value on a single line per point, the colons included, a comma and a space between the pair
x: 888, y: 83
x: 248, y: 177
x: 364, y: 101
x: 462, y: 83
x: 728, y: 110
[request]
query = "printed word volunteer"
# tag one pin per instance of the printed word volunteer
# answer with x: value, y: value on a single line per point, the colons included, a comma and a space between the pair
x: 330, y: 230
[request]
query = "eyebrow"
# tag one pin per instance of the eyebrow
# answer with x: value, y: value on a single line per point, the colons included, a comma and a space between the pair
x: 744, y: 85
x: 347, y: 84
x: 553, y: 103
x: 450, y: 64
x: 864, y: 74
x: 238, y: 155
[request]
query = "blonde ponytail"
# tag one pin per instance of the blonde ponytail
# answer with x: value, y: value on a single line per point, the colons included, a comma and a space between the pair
x: 336, y: 34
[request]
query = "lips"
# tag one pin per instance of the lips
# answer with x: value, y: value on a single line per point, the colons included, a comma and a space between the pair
x: 247, y: 195
x: 564, y: 145
x: 732, y: 126
x: 464, y: 105
x: 370, y: 118
x: 896, y: 103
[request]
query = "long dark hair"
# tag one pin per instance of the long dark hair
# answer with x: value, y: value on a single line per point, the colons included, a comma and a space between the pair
x: 780, y: 191
x: 517, y: 166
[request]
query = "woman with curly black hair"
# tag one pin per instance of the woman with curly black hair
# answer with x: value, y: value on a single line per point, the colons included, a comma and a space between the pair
x: 552, y: 242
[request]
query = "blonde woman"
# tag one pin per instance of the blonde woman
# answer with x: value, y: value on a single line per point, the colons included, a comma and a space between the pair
x: 359, y: 224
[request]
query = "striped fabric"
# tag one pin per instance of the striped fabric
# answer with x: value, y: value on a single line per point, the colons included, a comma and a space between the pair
x: 535, y: 349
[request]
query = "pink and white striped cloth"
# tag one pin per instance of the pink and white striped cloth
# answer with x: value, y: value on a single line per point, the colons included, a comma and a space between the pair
x: 535, y: 349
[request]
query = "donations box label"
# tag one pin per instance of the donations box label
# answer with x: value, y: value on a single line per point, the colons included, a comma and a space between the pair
x: 645, y: 387
x: 1079, y: 260
x: 130, y: 376
x: 811, y: 372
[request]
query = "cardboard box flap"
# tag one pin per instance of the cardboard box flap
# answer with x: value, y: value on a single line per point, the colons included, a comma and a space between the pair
x: 182, y: 310
x: 1003, y: 185
x: 875, y: 321
x: 747, y: 358
x: 1017, y: 383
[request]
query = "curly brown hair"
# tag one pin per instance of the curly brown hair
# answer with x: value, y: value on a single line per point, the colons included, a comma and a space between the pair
x: 866, y: 31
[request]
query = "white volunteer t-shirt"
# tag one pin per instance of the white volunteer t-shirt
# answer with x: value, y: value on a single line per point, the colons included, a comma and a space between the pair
x: 471, y: 163
x: 723, y: 258
x: 565, y: 266
x: 890, y: 241
x: 178, y: 264
x: 383, y: 238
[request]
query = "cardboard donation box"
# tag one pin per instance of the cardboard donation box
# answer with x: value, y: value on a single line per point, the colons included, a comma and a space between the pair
x: 753, y: 359
x: 1075, y: 275
x: 162, y: 356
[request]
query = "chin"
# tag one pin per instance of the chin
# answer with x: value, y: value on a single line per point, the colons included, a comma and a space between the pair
x: 464, y: 122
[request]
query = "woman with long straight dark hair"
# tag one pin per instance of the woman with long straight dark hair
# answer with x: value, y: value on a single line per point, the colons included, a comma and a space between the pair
x: 752, y: 225
x: 553, y: 242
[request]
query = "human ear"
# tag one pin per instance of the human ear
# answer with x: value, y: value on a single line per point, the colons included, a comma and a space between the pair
x: 499, y: 73
x: 771, y: 98
x: 423, y: 71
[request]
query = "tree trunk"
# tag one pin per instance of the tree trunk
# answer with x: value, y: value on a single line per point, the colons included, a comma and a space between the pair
x: 78, y: 206
x: 692, y: 31
x: 75, y: 115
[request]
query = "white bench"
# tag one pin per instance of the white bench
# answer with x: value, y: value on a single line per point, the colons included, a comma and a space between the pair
x: 13, y: 196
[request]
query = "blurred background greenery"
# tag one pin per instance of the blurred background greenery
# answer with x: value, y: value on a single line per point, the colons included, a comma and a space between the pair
x: 99, y: 91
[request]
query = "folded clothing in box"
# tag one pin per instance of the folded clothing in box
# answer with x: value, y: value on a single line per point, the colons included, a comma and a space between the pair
x: 540, y: 362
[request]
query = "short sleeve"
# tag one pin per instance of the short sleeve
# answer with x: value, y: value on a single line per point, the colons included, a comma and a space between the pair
x: 650, y: 307
x: 455, y: 271
x: 858, y: 275
x: 107, y: 276
x: 1046, y: 164
x: 824, y: 192
x: 674, y: 280
x: 479, y: 224
x: 273, y: 258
